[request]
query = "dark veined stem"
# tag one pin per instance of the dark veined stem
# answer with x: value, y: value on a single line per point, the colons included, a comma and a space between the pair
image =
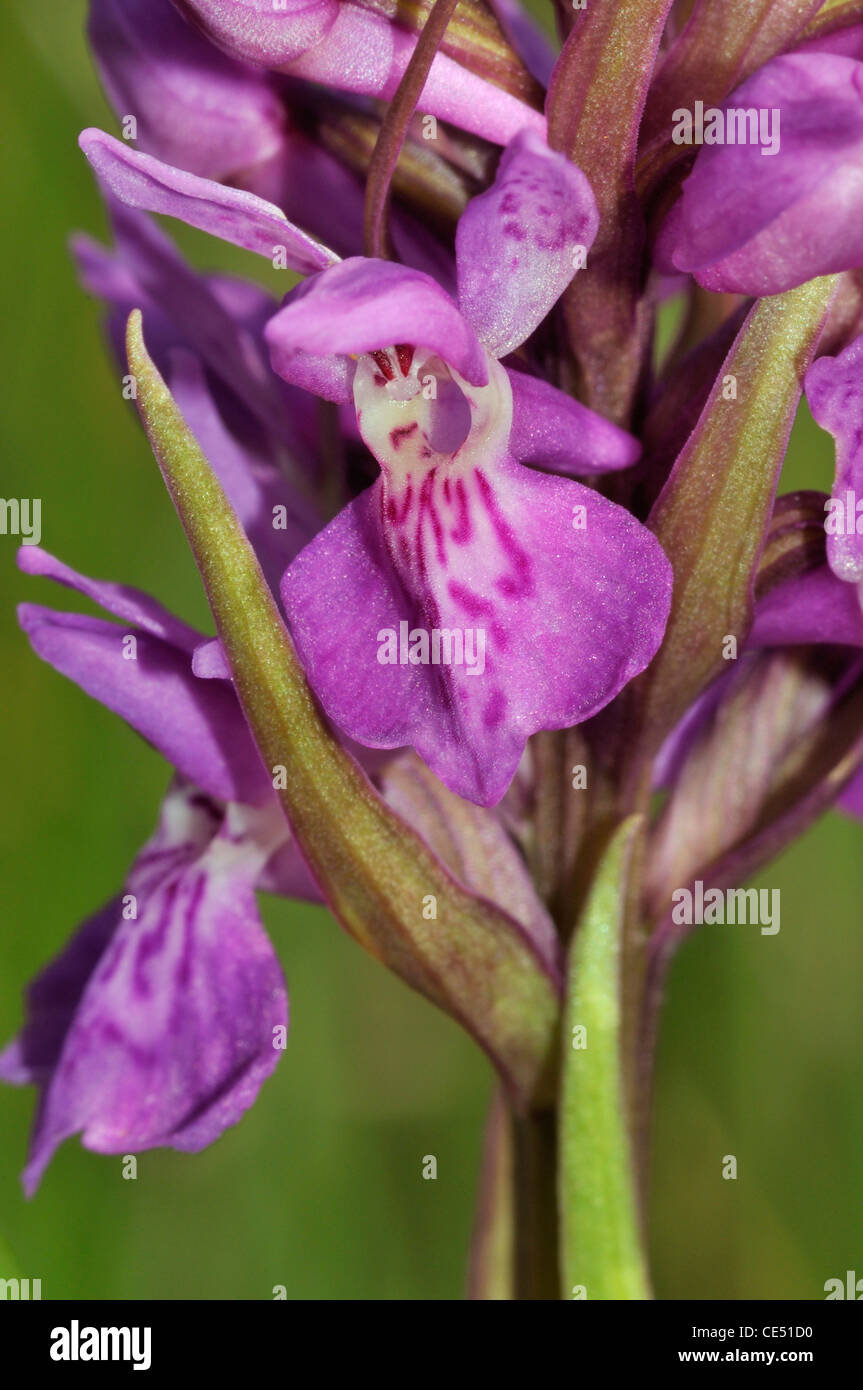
x: 536, y: 1212
x: 394, y: 129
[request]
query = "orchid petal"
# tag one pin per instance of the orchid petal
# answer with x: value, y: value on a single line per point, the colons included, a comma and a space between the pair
x: 527, y: 38
x: 197, y: 725
x: 132, y: 605
x: 519, y: 245
x: 363, y: 305
x: 219, y: 319
x: 242, y: 218
x: 558, y: 433
x: 366, y: 53
x: 276, y: 520
x: 814, y: 607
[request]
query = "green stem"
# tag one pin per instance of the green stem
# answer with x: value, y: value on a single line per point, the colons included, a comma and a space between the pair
x: 601, y: 1229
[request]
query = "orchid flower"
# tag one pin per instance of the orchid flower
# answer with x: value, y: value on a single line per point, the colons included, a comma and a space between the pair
x: 751, y: 224
x: 457, y: 535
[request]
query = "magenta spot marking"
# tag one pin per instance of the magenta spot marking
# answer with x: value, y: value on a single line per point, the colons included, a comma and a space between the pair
x: 398, y: 436
x: 495, y: 709
x: 462, y: 532
x: 184, y: 971
x: 514, y: 230
x: 395, y: 513
x: 520, y: 582
x: 473, y: 604
x: 427, y: 505
x: 152, y: 944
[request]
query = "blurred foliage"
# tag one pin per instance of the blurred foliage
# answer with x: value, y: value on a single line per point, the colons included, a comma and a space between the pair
x: 320, y: 1188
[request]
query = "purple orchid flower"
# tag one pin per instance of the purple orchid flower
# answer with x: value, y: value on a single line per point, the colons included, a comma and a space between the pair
x: 834, y: 389
x: 563, y: 571
x: 167, y: 1011
x: 565, y: 594
x: 760, y: 215
x: 111, y: 1039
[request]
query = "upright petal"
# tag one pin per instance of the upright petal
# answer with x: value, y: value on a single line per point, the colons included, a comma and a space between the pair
x: 464, y: 602
x: 161, y: 1021
x: 242, y: 218
x: 194, y: 107
x: 763, y: 216
x: 519, y: 245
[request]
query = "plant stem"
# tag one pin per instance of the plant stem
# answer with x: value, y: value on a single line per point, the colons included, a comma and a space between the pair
x: 536, y: 1220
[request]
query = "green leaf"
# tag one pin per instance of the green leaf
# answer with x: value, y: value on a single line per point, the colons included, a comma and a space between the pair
x: 472, y: 958
x: 600, y: 1240
x: 714, y: 512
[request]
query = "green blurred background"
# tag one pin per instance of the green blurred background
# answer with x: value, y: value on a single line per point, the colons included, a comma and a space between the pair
x: 320, y: 1187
